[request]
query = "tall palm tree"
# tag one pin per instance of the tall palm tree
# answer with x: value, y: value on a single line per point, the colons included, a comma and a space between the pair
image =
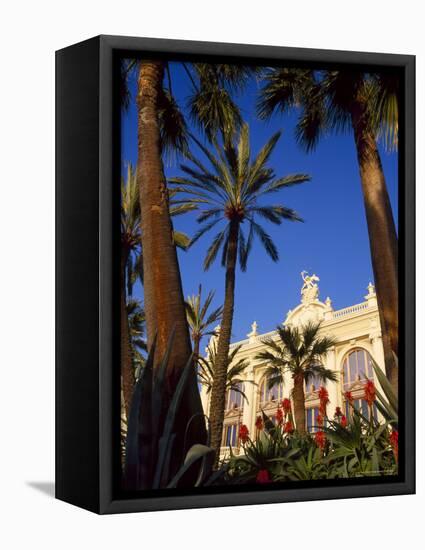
x: 132, y: 266
x: 231, y: 191
x: 235, y: 370
x: 199, y: 320
x: 300, y: 352
x: 163, y: 293
x: 368, y: 105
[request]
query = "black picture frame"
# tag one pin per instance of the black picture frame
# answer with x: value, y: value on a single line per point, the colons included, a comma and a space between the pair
x: 86, y: 165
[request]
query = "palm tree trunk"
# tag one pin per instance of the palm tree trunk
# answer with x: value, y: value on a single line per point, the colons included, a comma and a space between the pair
x: 218, y: 392
x: 299, y: 403
x: 127, y: 372
x: 163, y: 293
x: 382, y: 236
x: 196, y: 345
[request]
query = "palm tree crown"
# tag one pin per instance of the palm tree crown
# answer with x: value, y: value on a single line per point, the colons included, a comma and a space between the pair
x: 326, y: 100
x: 199, y: 319
x: 231, y: 190
x: 299, y: 351
x: 235, y: 379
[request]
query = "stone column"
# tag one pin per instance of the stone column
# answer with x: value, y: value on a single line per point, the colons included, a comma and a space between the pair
x: 248, y: 417
x: 205, y: 399
x: 334, y: 388
x: 377, y: 354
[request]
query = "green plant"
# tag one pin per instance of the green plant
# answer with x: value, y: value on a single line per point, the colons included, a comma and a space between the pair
x: 299, y: 352
x: 235, y: 370
x: 155, y: 455
x: 199, y: 319
x: 342, y: 449
x: 367, y: 104
x: 387, y: 404
x: 230, y: 185
x: 362, y: 448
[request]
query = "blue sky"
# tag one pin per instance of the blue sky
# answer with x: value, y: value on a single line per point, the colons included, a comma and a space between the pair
x: 332, y: 242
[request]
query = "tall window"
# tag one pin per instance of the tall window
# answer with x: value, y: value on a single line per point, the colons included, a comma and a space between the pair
x: 357, y: 366
x: 363, y: 408
x: 230, y: 435
x: 311, y: 414
x: 267, y: 394
x: 234, y: 399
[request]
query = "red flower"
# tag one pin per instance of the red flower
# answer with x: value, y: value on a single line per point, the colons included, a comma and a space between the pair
x: 320, y: 439
x: 319, y: 419
x: 338, y: 412
x: 343, y: 421
x: 324, y: 399
x: 370, y: 392
x: 323, y: 394
x: 243, y: 433
x: 286, y: 405
x: 263, y: 476
x: 279, y: 415
x: 259, y: 423
x: 349, y: 397
x: 394, y: 443
x: 289, y: 428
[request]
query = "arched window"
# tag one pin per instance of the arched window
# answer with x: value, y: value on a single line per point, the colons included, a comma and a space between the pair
x: 270, y: 394
x: 234, y: 399
x: 357, y: 366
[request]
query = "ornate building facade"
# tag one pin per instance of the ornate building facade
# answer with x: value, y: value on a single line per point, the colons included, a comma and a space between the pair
x: 356, y: 330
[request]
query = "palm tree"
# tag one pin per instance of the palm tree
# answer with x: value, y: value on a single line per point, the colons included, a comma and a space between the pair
x: 200, y: 320
x: 368, y: 105
x: 163, y: 293
x: 161, y: 128
x: 130, y: 257
x: 132, y: 265
x: 231, y: 191
x: 299, y: 352
x: 235, y: 370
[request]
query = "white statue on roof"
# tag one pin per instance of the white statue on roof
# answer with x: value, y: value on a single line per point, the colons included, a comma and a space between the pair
x: 309, y: 290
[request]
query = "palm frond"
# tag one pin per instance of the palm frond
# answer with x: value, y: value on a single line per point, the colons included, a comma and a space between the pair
x: 174, y: 132
x: 181, y: 240
x: 266, y: 240
x: 214, y: 248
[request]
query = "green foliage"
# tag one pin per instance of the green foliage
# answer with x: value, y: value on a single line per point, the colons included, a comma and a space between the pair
x: 361, y: 448
x: 387, y: 404
x: 131, y: 226
x: 235, y: 370
x: 198, y: 317
x: 212, y: 104
x: 326, y: 99
x: 136, y: 326
x: 271, y: 451
x: 231, y: 190
x: 151, y: 433
x: 298, y: 351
